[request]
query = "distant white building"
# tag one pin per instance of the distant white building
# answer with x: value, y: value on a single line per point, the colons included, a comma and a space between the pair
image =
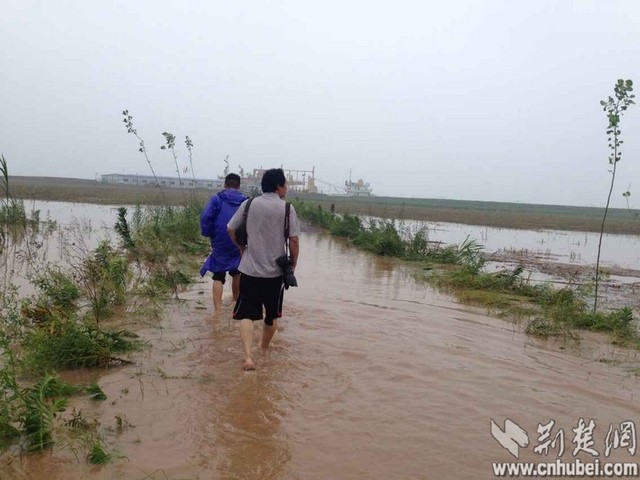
x: 170, y: 182
x: 357, y: 189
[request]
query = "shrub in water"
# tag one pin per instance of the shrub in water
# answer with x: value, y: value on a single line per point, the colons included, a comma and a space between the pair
x: 42, y: 403
x: 58, y: 289
x: 67, y: 343
x: 104, y: 276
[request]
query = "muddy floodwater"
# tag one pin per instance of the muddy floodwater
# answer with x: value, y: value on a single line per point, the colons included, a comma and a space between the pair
x: 372, y: 375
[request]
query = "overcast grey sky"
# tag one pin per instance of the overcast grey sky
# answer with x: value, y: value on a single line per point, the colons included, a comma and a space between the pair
x: 483, y: 100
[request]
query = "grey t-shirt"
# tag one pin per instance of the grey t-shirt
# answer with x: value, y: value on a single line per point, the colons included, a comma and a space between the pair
x: 265, y: 233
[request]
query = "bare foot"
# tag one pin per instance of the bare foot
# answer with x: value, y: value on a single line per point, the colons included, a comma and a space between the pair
x: 248, y: 365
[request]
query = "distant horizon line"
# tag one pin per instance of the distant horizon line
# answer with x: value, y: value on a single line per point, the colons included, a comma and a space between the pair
x: 329, y: 195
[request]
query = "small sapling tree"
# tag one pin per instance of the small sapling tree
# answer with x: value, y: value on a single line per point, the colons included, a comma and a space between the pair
x: 170, y: 139
x: 614, y: 108
x: 189, y: 144
x: 226, y: 165
x: 128, y: 123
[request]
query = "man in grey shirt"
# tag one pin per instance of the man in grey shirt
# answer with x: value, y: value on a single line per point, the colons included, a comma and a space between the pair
x: 261, y: 282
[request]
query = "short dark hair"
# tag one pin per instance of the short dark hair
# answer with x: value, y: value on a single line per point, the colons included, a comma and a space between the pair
x: 272, y: 179
x: 232, y: 181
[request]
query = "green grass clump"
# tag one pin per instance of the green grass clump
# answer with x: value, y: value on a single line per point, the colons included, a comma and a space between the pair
x: 382, y: 238
x: 13, y: 213
x: 95, y: 392
x: 42, y: 403
x: 551, y: 312
x: 104, y: 276
x: 10, y: 393
x: 544, y: 328
x: 27, y: 413
x: 98, y: 455
x: 348, y: 226
x: 71, y: 344
x: 317, y: 216
x: 508, y: 282
x: 57, y: 289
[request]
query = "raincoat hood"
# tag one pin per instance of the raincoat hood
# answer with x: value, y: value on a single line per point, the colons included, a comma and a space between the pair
x: 232, y: 196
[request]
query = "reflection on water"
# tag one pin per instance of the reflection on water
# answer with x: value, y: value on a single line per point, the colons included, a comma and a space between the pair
x: 371, y: 375
x: 64, y: 213
x: 81, y: 226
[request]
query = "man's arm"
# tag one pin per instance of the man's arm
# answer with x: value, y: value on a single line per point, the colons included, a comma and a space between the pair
x: 294, y: 247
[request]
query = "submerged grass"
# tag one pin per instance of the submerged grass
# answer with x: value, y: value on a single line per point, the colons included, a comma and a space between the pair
x: 546, y: 311
x: 72, y: 344
x: 98, y: 455
x: 27, y: 414
x: 388, y: 238
x: 42, y: 403
x: 457, y: 269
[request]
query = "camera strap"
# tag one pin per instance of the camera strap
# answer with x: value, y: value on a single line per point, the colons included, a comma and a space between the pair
x: 287, y: 209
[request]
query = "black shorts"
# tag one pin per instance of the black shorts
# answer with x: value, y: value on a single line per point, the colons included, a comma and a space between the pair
x: 220, y: 276
x: 257, y: 292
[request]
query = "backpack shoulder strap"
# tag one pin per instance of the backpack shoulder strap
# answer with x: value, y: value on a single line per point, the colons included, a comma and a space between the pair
x: 246, y: 208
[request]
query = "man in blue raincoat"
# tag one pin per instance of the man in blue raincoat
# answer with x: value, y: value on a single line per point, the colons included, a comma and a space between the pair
x: 225, y: 255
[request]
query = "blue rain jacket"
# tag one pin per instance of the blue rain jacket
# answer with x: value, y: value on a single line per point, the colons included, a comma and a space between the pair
x: 225, y: 256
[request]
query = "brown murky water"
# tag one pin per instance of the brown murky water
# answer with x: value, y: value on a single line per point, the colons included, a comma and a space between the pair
x: 372, y: 376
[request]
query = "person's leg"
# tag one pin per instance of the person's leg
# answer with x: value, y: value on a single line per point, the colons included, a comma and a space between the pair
x: 235, y: 285
x: 268, y: 331
x: 218, y: 285
x: 217, y: 295
x: 246, y: 310
x: 273, y: 297
x: 246, y: 335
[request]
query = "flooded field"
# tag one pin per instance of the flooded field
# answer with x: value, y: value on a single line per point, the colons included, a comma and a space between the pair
x: 559, y: 246
x: 570, y: 247
x: 372, y: 375
x: 81, y: 224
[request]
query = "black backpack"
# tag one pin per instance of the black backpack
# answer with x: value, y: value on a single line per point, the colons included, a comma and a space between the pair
x: 241, y: 232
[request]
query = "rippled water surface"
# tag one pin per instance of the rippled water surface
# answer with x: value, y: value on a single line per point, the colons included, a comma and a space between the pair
x: 372, y: 375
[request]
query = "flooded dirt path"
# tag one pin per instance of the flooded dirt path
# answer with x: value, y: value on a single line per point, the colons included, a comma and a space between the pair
x: 372, y: 376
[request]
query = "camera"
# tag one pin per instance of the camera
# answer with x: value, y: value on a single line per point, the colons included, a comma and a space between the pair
x: 284, y: 262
